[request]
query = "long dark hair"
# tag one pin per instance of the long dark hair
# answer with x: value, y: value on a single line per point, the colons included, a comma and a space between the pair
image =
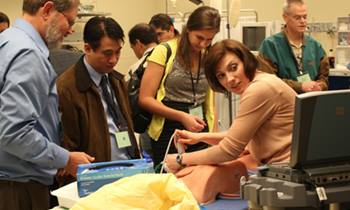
x: 202, y: 18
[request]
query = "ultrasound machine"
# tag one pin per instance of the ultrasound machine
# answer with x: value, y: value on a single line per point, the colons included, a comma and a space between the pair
x: 318, y: 174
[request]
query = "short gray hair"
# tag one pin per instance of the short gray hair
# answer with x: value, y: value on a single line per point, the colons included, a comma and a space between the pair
x: 287, y: 4
x: 32, y: 6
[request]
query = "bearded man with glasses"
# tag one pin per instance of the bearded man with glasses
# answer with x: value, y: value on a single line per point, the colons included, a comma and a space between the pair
x: 295, y: 57
x: 29, y: 120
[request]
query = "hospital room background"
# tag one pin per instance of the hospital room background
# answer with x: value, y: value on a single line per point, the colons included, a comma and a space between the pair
x: 128, y: 13
x: 324, y: 20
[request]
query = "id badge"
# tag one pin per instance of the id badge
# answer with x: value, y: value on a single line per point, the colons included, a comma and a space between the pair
x: 197, y: 111
x: 304, y: 78
x: 123, y: 139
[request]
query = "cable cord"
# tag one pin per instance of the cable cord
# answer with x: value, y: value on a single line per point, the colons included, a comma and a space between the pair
x: 166, y: 152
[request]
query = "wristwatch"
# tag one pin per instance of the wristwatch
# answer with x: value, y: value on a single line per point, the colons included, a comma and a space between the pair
x: 179, y: 160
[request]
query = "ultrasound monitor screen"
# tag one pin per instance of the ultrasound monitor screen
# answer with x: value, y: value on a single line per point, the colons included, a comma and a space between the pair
x: 321, y: 133
x: 330, y: 128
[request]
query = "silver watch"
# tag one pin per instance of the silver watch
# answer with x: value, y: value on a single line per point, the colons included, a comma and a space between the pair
x: 179, y: 160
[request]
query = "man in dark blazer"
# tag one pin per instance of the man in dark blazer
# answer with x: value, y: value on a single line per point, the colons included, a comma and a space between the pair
x: 93, y: 100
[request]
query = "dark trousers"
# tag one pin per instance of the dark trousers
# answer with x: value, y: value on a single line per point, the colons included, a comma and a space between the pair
x: 159, y: 147
x: 23, y: 195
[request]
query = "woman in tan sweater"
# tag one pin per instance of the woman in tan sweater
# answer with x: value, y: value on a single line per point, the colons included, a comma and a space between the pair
x: 264, y: 122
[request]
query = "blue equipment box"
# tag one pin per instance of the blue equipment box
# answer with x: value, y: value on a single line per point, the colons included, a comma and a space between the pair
x: 90, y: 177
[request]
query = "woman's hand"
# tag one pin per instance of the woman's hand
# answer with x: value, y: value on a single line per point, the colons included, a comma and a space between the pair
x: 193, y: 123
x: 171, y: 164
x: 186, y: 137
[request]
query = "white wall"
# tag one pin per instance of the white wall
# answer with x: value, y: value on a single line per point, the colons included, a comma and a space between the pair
x: 318, y: 11
x: 12, y: 8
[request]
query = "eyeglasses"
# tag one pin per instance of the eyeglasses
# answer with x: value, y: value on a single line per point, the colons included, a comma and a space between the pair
x: 69, y: 21
x: 298, y: 18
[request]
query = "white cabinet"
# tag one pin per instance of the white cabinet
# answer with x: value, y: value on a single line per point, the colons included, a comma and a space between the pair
x: 343, y: 44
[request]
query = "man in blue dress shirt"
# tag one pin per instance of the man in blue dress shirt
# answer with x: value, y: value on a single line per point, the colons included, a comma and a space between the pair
x: 29, y: 118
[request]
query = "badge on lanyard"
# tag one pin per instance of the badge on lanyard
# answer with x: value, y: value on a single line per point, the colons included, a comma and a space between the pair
x: 196, y: 111
x: 304, y: 78
x: 123, y: 139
